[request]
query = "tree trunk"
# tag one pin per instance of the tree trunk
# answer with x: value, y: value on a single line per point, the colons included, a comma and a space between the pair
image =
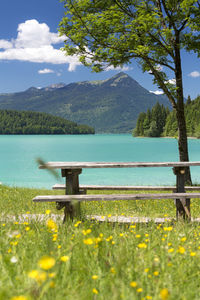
x: 182, y: 131
x: 182, y: 142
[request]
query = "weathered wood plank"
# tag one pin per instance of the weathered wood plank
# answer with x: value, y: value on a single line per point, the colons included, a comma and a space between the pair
x: 126, y: 188
x: 77, y: 165
x: 112, y: 197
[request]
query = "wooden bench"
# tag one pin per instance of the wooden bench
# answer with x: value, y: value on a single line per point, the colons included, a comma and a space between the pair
x: 85, y: 188
x: 74, y: 192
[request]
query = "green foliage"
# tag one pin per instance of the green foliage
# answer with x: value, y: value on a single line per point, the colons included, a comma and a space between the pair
x: 192, y: 115
x: 27, y: 122
x: 164, y: 123
x: 151, y: 124
x: 114, y: 32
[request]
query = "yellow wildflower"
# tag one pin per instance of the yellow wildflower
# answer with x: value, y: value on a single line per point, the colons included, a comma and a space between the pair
x: 94, y: 277
x: 138, y: 236
x: 164, y: 294
x: 85, y: 232
x: 183, y: 239
x: 77, y: 223
x: 146, y: 270
x: 109, y: 238
x: 48, y: 211
x: 148, y: 297
x: 52, y: 284
x: 51, y: 225
x: 192, y: 253
x: 168, y: 228
x: 21, y: 297
x: 133, y: 283
x: 64, y: 258
x: 156, y: 273
x: 27, y: 228
x: 181, y: 250
x: 52, y: 275
x: 46, y: 262
x: 139, y: 290
x: 170, y: 250
x: 88, y: 241
x: 39, y: 276
x: 95, y: 291
x: 142, y: 245
x: 112, y: 270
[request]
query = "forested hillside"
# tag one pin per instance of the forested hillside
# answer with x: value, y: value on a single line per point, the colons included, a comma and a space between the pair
x: 159, y: 121
x: 27, y: 122
x: 151, y: 123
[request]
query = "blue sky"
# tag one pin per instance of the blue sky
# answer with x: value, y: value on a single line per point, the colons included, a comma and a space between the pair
x: 30, y: 55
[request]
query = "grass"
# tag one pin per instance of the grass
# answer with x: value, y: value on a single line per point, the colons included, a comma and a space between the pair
x: 88, y: 260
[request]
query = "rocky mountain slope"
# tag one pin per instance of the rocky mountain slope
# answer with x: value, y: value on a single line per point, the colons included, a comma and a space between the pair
x: 110, y: 106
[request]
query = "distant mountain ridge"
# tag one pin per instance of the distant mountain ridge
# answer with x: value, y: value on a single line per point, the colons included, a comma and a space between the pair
x: 110, y: 106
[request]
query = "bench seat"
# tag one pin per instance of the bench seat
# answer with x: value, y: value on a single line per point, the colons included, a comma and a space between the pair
x: 114, y: 197
x: 126, y: 188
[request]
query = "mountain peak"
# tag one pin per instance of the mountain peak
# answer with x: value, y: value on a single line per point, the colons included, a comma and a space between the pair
x: 120, y: 79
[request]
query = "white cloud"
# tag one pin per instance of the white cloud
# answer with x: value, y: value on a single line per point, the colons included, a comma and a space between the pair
x: 4, y: 44
x: 34, y: 44
x: 45, y: 71
x: 171, y: 81
x: 194, y: 74
x: 158, y: 92
x: 111, y: 68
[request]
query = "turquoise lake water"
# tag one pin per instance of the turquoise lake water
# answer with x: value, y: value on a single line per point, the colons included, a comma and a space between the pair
x: 18, y: 155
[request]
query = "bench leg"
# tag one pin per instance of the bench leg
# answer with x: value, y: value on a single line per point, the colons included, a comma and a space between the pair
x: 71, y: 210
x: 183, y: 209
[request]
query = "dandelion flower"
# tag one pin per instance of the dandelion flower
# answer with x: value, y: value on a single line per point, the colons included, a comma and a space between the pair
x: 156, y: 273
x: 112, y: 270
x: 133, y: 283
x: 33, y: 274
x: 170, y: 250
x: 94, y: 277
x: 142, y: 245
x: 139, y: 290
x: 183, y: 239
x: 51, y: 225
x: 181, y: 250
x: 46, y: 262
x: 48, y: 211
x: 88, y: 241
x: 164, y: 294
x: 64, y: 258
x: 192, y: 253
x: 95, y: 291
x: 21, y: 297
x: 168, y: 228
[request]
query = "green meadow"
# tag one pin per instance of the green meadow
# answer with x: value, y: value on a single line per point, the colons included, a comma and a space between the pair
x: 85, y: 259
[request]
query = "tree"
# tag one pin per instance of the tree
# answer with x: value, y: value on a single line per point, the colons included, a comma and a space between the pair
x: 113, y: 32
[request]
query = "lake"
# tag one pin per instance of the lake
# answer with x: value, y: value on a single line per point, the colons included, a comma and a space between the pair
x: 18, y: 154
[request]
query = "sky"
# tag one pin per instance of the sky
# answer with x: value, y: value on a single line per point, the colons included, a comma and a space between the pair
x: 30, y: 52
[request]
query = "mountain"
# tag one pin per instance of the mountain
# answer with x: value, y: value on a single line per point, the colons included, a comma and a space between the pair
x: 110, y: 106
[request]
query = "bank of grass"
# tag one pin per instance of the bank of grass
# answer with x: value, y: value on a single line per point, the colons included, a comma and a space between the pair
x: 88, y: 260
